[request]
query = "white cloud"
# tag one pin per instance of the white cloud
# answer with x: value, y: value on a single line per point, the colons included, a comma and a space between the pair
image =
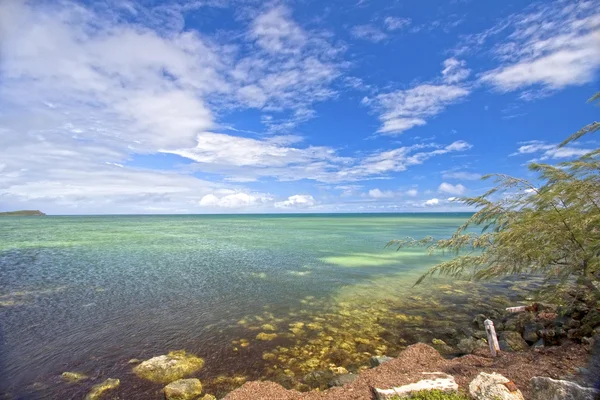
x: 412, y: 192
x: 455, y: 71
x: 368, y: 32
x: 236, y: 200
x: 379, y: 194
x: 276, y: 32
x: 552, y: 46
x: 457, y: 189
x: 396, y: 23
x: 404, y: 109
x: 431, y: 202
x: 297, y: 201
x: 550, y: 151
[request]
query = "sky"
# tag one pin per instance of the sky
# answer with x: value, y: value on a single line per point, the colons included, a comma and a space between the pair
x: 242, y: 106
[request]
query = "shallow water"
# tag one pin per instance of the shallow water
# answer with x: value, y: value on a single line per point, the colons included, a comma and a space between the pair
x: 89, y: 293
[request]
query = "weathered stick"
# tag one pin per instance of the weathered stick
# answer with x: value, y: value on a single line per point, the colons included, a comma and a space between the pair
x: 491, y: 337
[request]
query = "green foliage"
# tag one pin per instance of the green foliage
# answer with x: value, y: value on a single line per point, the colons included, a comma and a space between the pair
x: 433, y: 395
x: 550, y: 229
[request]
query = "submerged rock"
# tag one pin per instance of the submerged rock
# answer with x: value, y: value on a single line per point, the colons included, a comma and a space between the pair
x: 469, y: 345
x: 183, y: 389
x: 170, y: 367
x: 512, y: 341
x: 378, y: 360
x: 341, y: 380
x: 99, y: 389
x: 266, y: 336
x: 493, y: 386
x: 73, y: 376
x: 551, y: 389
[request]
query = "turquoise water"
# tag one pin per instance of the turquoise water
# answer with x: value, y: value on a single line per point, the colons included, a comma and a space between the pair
x: 88, y: 293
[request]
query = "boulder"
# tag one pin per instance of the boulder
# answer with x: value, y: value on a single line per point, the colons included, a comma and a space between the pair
x: 170, y: 367
x: 469, y: 345
x: 530, y: 332
x: 493, y: 386
x: 183, y: 389
x: 73, y: 376
x: 478, y: 321
x: 318, y: 379
x: 544, y: 388
x: 208, y: 397
x: 512, y: 341
x: 434, y: 380
x: 580, y: 333
x: 341, y: 380
x: 100, y: 388
x: 592, y: 319
x: 378, y: 360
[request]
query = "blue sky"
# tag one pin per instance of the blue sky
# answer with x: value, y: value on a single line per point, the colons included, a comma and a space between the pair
x: 224, y: 106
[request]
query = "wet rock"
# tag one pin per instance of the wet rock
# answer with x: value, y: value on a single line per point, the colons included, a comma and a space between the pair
x: 530, y: 332
x: 544, y: 388
x: 493, y: 386
x: 572, y: 324
x: 434, y: 380
x: 266, y: 336
x: 448, y: 332
x: 552, y: 336
x: 538, y: 345
x: 479, y: 334
x: 183, y: 389
x: 592, y: 319
x: 208, y: 397
x: 577, y: 311
x: 100, y: 388
x: 378, y: 360
x: 73, y: 376
x: 341, y: 380
x: 134, y: 361
x: 513, y: 341
x: 438, y: 342
x: 580, y: 333
x: 469, y: 345
x: 478, y: 321
x: 318, y: 379
x: 170, y: 367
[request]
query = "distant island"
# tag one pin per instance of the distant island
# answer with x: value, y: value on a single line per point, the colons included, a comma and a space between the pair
x: 21, y: 213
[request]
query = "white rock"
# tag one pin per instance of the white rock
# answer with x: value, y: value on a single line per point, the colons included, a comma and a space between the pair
x: 493, y: 386
x: 435, y: 380
x: 552, y: 389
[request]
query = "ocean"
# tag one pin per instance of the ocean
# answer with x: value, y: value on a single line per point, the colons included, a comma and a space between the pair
x: 90, y: 293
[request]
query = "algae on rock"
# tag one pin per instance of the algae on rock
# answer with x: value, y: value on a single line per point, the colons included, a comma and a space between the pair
x: 183, y: 389
x: 170, y: 367
x: 72, y: 377
x: 100, y: 388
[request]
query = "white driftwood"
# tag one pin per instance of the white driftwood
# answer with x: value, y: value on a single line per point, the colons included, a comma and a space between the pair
x: 436, y: 380
x: 491, y: 337
x: 516, y: 309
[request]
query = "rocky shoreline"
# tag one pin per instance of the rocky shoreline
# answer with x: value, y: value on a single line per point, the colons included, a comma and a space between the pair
x: 548, y: 349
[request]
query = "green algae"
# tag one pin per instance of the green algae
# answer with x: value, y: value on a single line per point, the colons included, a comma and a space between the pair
x: 183, y: 389
x: 170, y: 367
x: 266, y: 336
x: 100, y: 388
x: 72, y: 377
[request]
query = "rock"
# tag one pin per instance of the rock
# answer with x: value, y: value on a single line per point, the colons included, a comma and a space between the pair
x: 435, y: 380
x: 318, y: 379
x: 378, y: 360
x: 530, y: 332
x: 469, y: 345
x: 341, y: 380
x: 493, y: 386
x: 552, y: 336
x: 478, y: 321
x: 580, y: 333
x: 208, y: 397
x: 449, y: 332
x: 479, y: 334
x: 266, y: 336
x: 592, y: 319
x: 100, y: 388
x: 183, y: 389
x: 438, y: 342
x: 544, y: 388
x: 514, y: 341
x: 572, y: 324
x: 170, y: 367
x: 538, y: 345
x: 134, y: 361
x: 73, y: 376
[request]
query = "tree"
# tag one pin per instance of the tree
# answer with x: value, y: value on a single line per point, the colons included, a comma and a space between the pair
x: 550, y: 229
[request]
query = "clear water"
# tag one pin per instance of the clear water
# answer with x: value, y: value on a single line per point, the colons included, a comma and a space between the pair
x: 88, y: 293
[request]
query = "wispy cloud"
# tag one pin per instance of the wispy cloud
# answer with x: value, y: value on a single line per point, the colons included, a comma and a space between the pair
x: 449, y: 188
x: 547, y: 151
x: 396, y: 23
x: 368, y: 32
x: 551, y: 46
